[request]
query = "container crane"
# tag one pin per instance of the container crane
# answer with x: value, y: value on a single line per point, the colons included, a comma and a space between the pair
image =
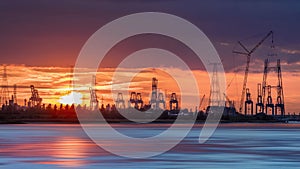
x: 248, y: 53
x: 35, y: 99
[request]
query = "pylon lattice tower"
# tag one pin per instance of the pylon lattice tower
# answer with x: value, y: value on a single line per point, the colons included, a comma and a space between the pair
x: 215, y: 97
x: 4, y: 91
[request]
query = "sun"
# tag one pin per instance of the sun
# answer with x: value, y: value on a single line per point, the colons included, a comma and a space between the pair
x: 71, y: 98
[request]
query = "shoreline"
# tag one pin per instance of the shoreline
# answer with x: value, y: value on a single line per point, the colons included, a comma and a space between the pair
x: 124, y: 121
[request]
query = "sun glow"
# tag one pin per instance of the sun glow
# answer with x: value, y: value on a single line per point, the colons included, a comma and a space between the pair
x: 71, y: 98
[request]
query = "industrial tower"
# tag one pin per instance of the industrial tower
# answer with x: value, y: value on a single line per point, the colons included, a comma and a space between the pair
x: 4, y: 91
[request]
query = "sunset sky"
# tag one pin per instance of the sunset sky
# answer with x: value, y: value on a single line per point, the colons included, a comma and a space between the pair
x: 40, y: 41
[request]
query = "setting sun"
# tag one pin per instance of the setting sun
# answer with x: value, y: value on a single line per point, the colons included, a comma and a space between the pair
x: 71, y: 98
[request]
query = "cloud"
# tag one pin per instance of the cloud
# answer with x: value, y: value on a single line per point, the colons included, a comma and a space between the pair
x: 224, y: 43
x: 290, y: 51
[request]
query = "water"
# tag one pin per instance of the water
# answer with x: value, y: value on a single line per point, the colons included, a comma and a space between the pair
x: 231, y: 146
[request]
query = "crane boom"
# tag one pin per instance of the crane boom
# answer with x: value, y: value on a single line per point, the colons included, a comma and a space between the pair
x: 201, y: 101
x: 248, y: 54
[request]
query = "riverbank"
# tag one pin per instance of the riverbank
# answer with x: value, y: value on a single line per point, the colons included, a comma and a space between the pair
x: 123, y: 121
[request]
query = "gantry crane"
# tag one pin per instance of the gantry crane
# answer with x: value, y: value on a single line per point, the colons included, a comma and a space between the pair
x: 248, y: 53
x: 35, y: 98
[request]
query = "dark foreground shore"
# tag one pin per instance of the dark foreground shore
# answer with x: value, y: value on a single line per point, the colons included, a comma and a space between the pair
x: 124, y: 121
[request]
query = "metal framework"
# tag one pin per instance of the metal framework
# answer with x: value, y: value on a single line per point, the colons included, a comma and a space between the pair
x: 248, y: 53
x: 35, y: 99
x: 279, y: 107
x: 173, y: 102
x: 4, y: 91
x: 248, y: 103
x: 259, y: 102
x: 215, y: 98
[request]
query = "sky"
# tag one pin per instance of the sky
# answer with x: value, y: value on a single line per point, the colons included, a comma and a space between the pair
x: 43, y: 37
x: 47, y: 32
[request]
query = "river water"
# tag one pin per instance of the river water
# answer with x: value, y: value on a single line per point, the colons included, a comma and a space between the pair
x: 239, y: 145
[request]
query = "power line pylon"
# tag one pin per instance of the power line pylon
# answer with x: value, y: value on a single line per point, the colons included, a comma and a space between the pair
x: 4, y: 91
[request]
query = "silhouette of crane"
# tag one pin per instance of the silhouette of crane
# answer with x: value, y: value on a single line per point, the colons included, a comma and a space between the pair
x: 35, y: 100
x: 248, y: 53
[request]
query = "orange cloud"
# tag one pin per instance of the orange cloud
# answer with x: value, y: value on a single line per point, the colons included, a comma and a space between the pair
x: 53, y: 84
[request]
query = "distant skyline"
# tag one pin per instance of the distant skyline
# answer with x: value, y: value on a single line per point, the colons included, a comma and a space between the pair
x: 53, y: 84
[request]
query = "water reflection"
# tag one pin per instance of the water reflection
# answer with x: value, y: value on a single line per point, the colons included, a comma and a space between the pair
x: 47, y: 144
x: 238, y: 145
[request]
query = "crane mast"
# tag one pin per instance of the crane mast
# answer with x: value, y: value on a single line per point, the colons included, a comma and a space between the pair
x: 202, y: 99
x: 248, y: 54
